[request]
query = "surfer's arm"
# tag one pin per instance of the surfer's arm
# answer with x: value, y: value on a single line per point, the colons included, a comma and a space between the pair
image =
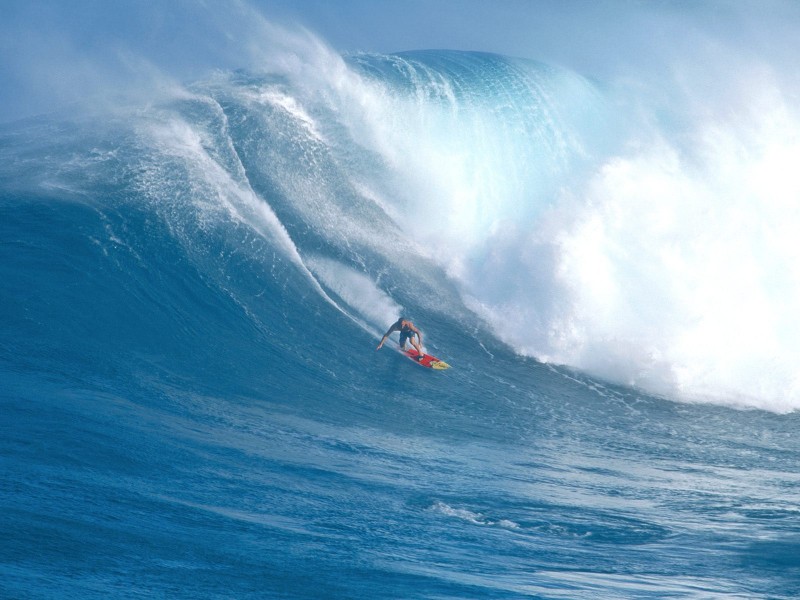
x: 386, y: 335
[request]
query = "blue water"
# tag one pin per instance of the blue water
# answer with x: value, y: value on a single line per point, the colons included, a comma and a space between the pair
x: 193, y: 407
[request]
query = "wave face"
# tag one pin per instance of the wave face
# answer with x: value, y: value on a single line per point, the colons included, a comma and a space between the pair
x: 192, y: 293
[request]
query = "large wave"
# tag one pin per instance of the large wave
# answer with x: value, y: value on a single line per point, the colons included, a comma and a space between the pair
x: 660, y: 256
x: 651, y: 249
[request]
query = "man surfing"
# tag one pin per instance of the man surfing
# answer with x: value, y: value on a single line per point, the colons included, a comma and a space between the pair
x: 407, y: 332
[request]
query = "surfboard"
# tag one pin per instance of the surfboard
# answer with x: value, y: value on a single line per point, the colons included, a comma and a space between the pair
x: 431, y: 362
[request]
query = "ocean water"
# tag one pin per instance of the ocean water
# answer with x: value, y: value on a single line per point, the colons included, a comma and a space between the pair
x: 192, y: 290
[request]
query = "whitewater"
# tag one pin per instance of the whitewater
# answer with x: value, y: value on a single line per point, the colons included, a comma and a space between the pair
x: 194, y: 278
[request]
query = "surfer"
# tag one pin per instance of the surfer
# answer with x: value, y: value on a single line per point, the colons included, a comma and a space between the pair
x: 408, y: 331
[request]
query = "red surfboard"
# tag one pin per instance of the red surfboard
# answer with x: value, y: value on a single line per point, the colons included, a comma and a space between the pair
x: 431, y: 362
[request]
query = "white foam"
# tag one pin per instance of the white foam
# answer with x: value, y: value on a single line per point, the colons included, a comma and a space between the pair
x: 291, y: 106
x: 677, y: 273
x: 360, y: 293
x: 472, y: 517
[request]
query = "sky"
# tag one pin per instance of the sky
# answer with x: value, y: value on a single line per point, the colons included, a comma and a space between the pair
x: 52, y: 52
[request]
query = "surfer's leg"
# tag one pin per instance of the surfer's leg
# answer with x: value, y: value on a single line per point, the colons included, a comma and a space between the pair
x: 403, y: 338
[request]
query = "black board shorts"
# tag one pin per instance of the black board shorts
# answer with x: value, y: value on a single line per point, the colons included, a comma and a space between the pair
x: 406, y: 335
